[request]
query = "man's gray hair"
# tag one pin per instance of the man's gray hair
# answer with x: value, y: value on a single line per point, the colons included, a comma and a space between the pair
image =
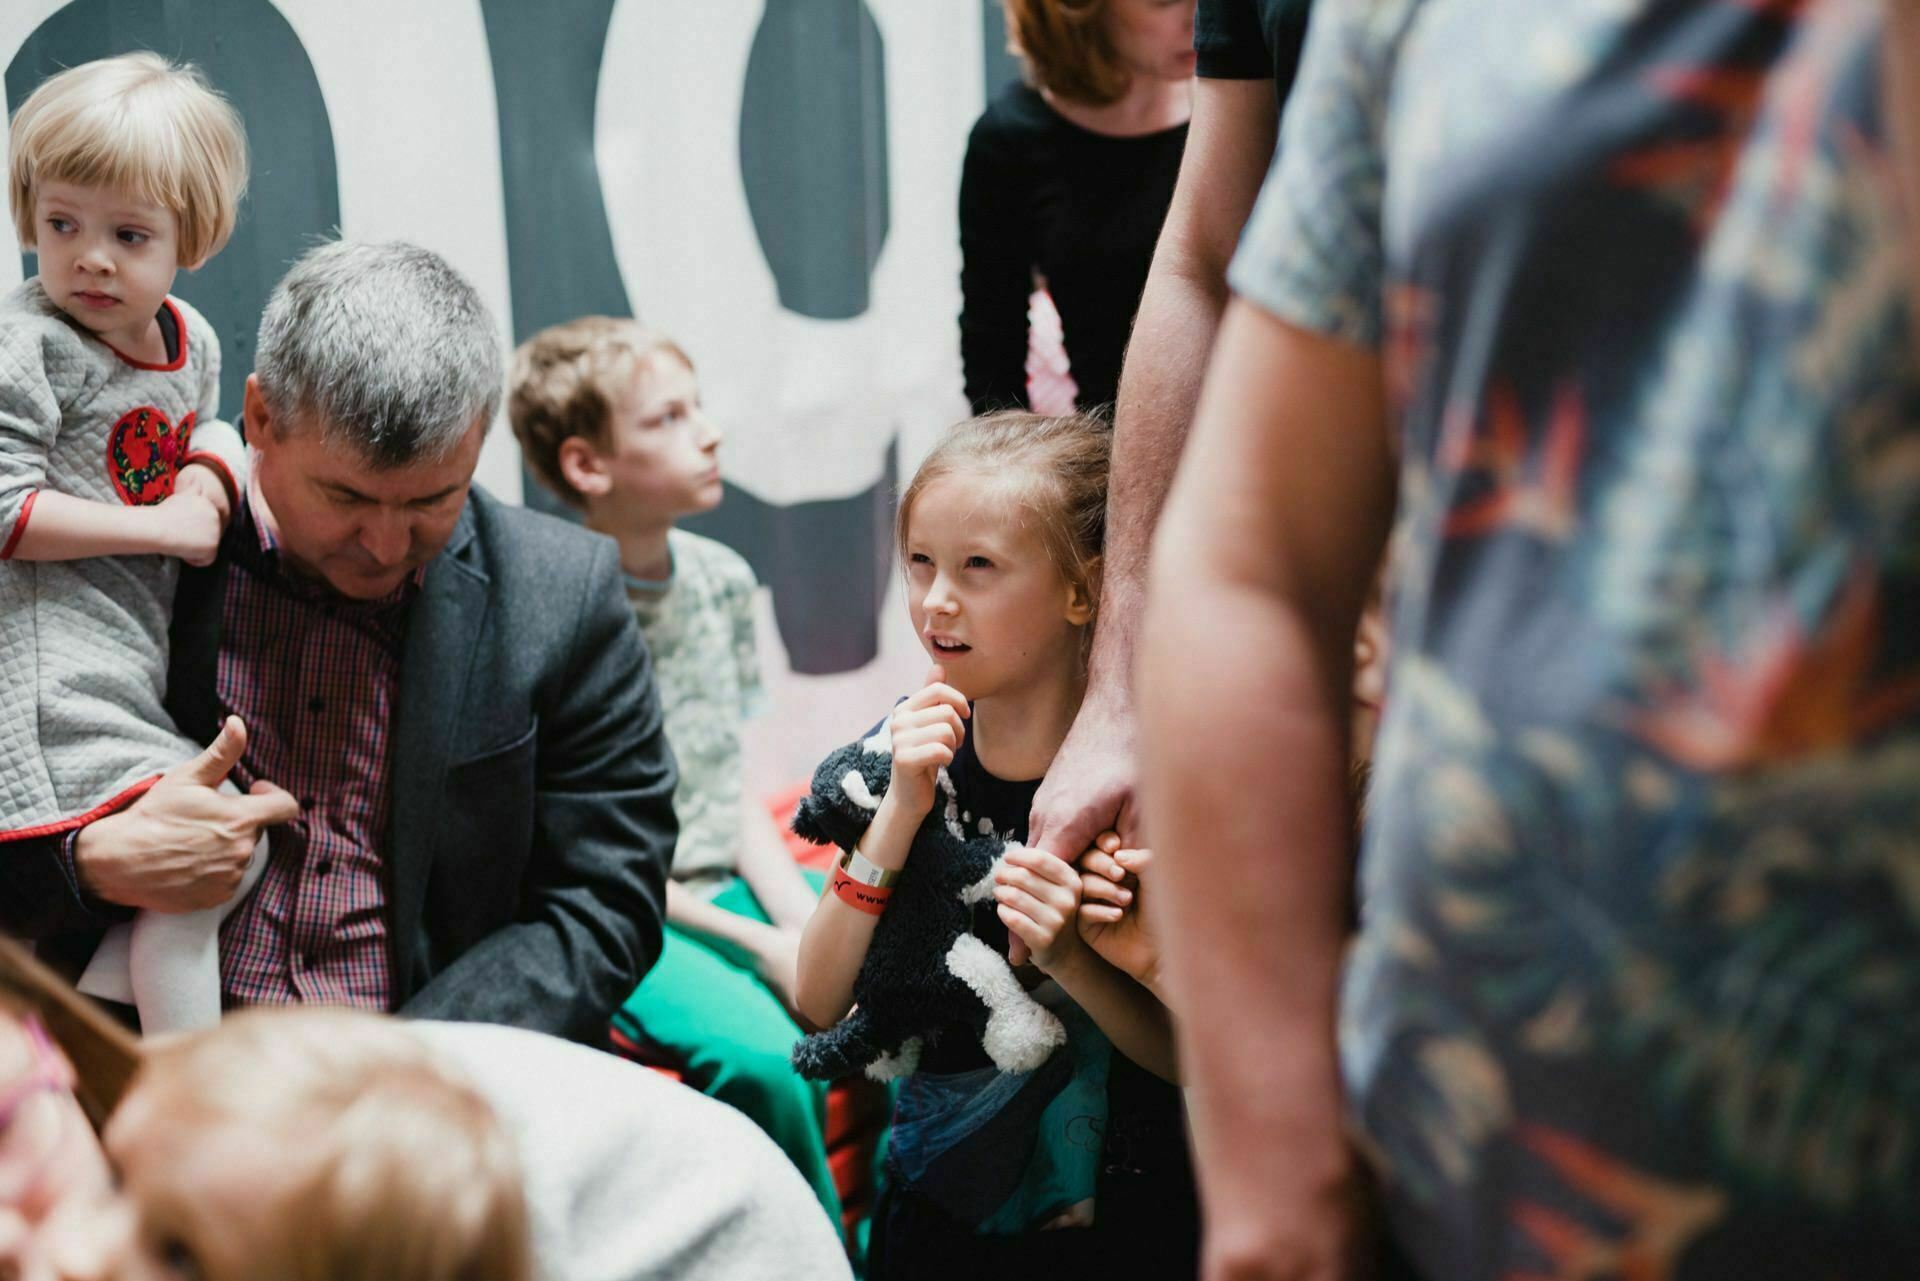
x: 382, y: 347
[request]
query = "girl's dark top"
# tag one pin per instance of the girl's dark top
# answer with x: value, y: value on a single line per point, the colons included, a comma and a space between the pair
x: 1146, y: 1215
x: 1040, y: 194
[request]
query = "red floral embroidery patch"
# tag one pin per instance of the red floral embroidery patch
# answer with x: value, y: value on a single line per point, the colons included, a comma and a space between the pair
x: 144, y: 452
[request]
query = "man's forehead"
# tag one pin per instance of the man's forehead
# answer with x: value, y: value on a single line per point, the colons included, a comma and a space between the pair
x: 330, y: 458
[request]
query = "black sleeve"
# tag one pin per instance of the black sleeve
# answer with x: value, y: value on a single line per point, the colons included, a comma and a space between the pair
x: 1228, y: 42
x: 40, y: 894
x: 996, y: 270
x: 594, y: 898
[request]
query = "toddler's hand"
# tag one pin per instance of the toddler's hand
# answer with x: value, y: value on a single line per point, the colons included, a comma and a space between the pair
x: 199, y: 479
x: 1038, y: 897
x: 190, y: 528
x: 1111, y: 906
x: 926, y: 731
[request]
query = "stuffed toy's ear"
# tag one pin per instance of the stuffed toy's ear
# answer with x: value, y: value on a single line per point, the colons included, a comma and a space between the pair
x: 847, y: 788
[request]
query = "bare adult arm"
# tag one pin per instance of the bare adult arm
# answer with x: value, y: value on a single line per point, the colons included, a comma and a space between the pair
x: 1901, y: 111
x: 1259, y: 573
x: 1089, y: 786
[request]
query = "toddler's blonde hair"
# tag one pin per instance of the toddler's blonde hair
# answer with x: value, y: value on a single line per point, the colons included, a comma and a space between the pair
x: 140, y: 124
x: 402, y: 1172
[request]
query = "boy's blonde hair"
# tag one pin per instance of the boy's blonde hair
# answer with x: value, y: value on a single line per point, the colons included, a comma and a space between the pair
x: 401, y: 1172
x: 566, y: 381
x: 1056, y: 470
x: 136, y: 123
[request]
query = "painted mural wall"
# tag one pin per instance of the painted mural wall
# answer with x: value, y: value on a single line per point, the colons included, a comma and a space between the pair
x: 771, y: 181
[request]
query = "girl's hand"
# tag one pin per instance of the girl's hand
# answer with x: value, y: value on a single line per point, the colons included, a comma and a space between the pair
x: 926, y: 731
x: 190, y: 528
x: 1038, y: 897
x: 1110, y: 918
x: 200, y: 480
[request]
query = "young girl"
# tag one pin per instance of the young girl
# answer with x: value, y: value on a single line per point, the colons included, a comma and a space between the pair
x: 1078, y: 1167
x: 112, y: 466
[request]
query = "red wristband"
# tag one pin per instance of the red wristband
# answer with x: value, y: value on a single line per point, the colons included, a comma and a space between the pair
x: 862, y: 898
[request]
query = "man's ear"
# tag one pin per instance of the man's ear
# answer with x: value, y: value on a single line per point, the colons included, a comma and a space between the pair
x: 255, y: 417
x: 582, y: 467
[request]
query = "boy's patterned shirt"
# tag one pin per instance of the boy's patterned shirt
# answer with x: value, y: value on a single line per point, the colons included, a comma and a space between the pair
x: 699, y: 630
x: 1635, y: 988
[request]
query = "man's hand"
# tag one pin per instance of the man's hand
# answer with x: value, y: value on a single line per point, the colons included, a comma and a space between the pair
x: 200, y: 480
x: 1088, y: 788
x: 185, y: 845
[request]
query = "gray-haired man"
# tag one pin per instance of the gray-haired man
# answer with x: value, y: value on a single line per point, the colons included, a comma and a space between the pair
x: 449, y: 721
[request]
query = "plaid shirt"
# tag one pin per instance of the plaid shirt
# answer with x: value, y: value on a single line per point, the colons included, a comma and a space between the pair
x: 316, y: 678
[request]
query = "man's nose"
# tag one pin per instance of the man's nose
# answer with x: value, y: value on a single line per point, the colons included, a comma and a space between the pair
x: 386, y: 537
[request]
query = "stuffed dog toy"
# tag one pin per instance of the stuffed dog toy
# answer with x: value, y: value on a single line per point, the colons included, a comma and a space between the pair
x: 924, y: 969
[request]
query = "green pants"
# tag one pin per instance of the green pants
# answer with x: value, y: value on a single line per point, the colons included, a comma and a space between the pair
x: 721, y: 1026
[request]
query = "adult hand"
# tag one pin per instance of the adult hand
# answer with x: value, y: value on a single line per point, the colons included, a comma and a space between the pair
x: 1112, y: 906
x: 1088, y: 788
x: 1038, y: 896
x: 185, y: 845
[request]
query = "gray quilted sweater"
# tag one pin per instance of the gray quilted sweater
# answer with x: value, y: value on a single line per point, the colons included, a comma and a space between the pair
x: 83, y: 644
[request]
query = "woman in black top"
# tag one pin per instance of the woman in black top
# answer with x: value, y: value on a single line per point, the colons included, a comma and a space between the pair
x: 1066, y: 183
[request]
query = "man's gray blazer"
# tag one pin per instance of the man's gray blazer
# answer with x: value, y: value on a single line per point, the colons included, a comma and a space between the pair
x: 532, y: 822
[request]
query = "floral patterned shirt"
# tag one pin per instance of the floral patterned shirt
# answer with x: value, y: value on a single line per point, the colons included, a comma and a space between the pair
x: 699, y: 630
x: 1635, y: 989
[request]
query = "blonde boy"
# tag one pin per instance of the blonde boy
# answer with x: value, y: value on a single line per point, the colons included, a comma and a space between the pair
x: 113, y: 465
x: 608, y: 416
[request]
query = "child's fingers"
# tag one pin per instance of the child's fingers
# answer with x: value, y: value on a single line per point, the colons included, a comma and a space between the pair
x: 924, y: 756
x: 1108, y: 841
x: 1049, y: 866
x: 1100, y: 889
x: 1034, y: 923
x: 941, y: 732
x: 938, y: 694
x: 1134, y: 861
x: 1096, y: 863
x: 925, y: 716
x: 1063, y: 897
x: 1022, y: 928
x: 1105, y: 913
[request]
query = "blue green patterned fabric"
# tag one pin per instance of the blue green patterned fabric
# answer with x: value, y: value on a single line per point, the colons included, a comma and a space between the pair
x: 1635, y: 990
